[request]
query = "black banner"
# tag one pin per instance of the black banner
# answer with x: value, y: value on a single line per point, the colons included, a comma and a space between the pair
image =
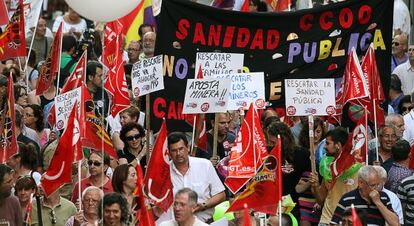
x: 311, y: 43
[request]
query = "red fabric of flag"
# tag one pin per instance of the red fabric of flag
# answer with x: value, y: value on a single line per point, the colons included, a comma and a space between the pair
x: 8, y: 135
x: 13, y: 40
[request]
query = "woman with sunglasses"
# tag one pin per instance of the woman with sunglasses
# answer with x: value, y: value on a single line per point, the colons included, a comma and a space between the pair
x: 132, y: 134
x: 405, y: 105
x: 124, y: 182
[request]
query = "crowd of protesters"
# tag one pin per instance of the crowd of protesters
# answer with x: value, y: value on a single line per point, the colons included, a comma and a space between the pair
x: 381, y: 192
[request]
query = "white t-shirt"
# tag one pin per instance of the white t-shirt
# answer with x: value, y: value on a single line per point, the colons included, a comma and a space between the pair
x: 408, y: 134
x: 197, y: 222
x: 80, y: 27
x: 402, y: 19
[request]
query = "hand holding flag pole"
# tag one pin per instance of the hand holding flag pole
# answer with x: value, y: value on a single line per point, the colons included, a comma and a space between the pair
x: 311, y: 144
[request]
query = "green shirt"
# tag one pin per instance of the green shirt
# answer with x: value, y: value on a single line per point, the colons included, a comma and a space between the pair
x: 60, y: 214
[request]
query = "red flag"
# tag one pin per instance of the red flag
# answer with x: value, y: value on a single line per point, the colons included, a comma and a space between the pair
x: 246, y: 217
x: 116, y: 84
x: 376, y: 92
x: 157, y: 181
x: 4, y: 14
x: 353, y: 84
x: 355, y: 218
x: 282, y: 5
x: 245, y: 7
x: 60, y: 169
x: 8, y: 135
x: 202, y: 133
x: 265, y: 189
x: 74, y: 81
x: 144, y: 215
x: 12, y: 40
x: 112, y: 31
x: 354, y: 151
x: 248, y: 152
x: 93, y: 133
x: 50, y: 67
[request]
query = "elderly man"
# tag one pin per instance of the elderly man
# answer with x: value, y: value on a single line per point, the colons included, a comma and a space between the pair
x: 134, y: 49
x: 195, y: 173
x: 387, y: 138
x: 405, y: 72
x: 397, y: 121
x: 368, y: 197
x: 399, y: 50
x: 10, y: 207
x: 148, y: 45
x: 409, y: 123
x: 91, y: 197
x: 185, y: 204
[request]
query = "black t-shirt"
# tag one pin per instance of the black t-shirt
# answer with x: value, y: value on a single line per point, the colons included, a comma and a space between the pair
x: 223, y: 149
x: 130, y: 157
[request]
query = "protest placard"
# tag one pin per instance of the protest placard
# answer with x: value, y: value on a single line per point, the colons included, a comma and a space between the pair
x: 147, y: 76
x: 206, y: 96
x: 245, y: 89
x: 219, y: 63
x: 64, y: 104
x: 310, y: 97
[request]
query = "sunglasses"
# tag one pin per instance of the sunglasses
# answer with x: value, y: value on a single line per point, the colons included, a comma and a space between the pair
x: 95, y: 163
x: 396, y: 43
x: 134, y: 137
x: 406, y: 108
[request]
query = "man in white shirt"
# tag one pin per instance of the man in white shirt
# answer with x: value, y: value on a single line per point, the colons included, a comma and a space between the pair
x: 402, y: 19
x: 195, y: 173
x: 405, y: 72
x: 409, y: 124
x: 185, y: 204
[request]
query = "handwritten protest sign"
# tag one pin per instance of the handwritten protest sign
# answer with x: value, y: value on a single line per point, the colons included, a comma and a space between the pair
x: 219, y: 63
x: 310, y: 97
x: 245, y: 89
x: 147, y: 76
x: 64, y: 104
x: 206, y: 96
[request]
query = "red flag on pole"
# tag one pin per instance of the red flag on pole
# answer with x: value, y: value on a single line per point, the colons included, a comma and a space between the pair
x: 4, y: 13
x: 353, y: 84
x: 157, y: 181
x: 355, y: 218
x: 245, y: 7
x: 112, y: 31
x: 265, y: 189
x: 246, y: 217
x: 12, y: 40
x: 93, y: 133
x: 8, y: 135
x: 354, y: 151
x: 60, y: 169
x: 50, y: 67
x: 144, y: 214
x: 248, y: 152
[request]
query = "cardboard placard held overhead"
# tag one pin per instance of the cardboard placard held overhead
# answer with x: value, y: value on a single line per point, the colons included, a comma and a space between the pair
x: 218, y: 63
x: 206, y: 96
x: 147, y: 76
x: 310, y: 97
x: 245, y: 89
x: 64, y: 104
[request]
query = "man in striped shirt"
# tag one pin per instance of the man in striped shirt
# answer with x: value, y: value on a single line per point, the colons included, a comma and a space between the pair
x: 405, y: 193
x: 368, y: 197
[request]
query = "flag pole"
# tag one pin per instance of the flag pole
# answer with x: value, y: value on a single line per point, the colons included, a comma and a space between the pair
x: 60, y: 62
x: 79, y: 184
x: 215, y: 136
x: 147, y: 126
x: 279, y: 177
x: 198, y: 130
x: 366, y: 136
x: 311, y: 143
x: 28, y: 54
x: 376, y: 129
x: 193, y: 135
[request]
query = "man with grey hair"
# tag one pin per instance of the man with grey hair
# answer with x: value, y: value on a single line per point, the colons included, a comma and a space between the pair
x: 369, y: 197
x: 148, y: 45
x: 395, y: 201
x: 405, y: 72
x: 91, y: 197
x: 409, y: 124
x: 397, y: 121
x: 185, y: 204
x: 387, y: 138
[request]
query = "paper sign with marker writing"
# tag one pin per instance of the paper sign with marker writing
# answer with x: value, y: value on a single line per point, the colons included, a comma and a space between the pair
x: 245, y: 89
x: 219, y: 63
x: 206, y: 96
x: 310, y: 97
x: 147, y: 76
x: 64, y: 104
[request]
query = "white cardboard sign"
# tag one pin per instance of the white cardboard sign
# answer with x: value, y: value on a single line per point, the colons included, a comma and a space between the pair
x: 310, y: 97
x: 206, y: 96
x: 147, y: 76
x: 245, y: 89
x: 218, y: 63
x: 64, y: 104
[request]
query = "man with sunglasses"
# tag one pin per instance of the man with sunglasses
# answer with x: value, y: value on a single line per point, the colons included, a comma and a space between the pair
x: 409, y: 124
x: 405, y: 72
x: 369, y: 197
x: 98, y: 163
x: 399, y: 50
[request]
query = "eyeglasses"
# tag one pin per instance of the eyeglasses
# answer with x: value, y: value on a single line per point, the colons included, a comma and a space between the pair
x: 396, y: 43
x: 133, y: 137
x: 53, y: 217
x: 28, y: 115
x: 406, y: 108
x: 95, y: 163
x: 373, y: 186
